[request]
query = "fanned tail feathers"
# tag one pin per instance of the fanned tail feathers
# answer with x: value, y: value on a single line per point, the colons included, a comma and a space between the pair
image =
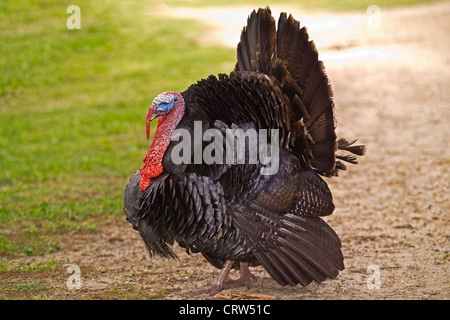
x: 290, y: 59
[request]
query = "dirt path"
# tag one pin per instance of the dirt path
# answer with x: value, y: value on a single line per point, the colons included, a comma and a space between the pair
x: 392, y: 91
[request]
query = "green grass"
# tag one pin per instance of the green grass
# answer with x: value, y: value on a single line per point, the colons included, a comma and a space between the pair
x: 28, y: 267
x: 73, y: 105
x: 307, y: 4
x: 72, y: 109
x: 29, y: 286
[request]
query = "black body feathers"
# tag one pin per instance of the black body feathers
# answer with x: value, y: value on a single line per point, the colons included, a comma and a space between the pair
x: 232, y: 211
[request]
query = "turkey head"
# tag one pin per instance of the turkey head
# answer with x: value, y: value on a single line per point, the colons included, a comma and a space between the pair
x: 168, y: 107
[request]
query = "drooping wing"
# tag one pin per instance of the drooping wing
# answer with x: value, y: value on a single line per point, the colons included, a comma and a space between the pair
x: 284, y: 227
x: 293, y: 249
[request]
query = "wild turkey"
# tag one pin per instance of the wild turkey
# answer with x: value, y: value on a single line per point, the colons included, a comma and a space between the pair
x: 230, y: 212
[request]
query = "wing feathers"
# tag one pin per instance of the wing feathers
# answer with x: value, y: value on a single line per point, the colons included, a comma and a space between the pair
x: 292, y: 249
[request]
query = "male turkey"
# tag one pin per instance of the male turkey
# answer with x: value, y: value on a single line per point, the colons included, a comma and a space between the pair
x: 230, y: 212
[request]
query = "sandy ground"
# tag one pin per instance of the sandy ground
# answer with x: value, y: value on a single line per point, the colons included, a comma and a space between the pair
x: 391, y: 88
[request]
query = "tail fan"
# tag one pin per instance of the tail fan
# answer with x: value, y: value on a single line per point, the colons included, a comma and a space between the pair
x: 290, y: 59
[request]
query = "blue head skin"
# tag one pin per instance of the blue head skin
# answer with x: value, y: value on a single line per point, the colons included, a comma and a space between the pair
x: 165, y: 107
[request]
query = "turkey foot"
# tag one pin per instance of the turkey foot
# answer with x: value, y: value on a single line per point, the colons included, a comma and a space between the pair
x: 245, y: 278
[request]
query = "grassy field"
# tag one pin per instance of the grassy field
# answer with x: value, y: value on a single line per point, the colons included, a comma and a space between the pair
x: 72, y: 110
x: 73, y: 105
x: 307, y: 4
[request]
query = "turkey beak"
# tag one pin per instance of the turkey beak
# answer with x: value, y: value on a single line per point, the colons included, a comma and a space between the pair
x: 156, y: 114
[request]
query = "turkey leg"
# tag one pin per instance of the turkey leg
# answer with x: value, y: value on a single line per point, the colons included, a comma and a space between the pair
x: 221, y: 284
